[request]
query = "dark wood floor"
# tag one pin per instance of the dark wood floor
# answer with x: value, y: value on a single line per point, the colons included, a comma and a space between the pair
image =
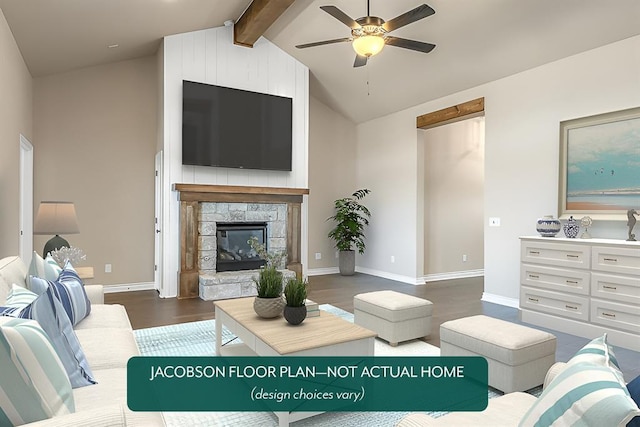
x: 452, y: 299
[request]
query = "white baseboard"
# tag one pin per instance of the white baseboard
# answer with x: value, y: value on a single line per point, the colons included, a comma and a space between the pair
x: 499, y: 299
x: 453, y: 275
x: 129, y: 287
x: 322, y: 271
x: 390, y: 276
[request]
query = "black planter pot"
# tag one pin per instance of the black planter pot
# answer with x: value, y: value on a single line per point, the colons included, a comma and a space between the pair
x: 295, y: 315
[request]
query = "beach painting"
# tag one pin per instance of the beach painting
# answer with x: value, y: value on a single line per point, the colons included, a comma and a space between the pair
x: 600, y: 164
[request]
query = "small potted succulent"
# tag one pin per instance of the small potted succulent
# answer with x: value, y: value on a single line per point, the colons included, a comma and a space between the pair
x: 268, y: 302
x: 295, y: 294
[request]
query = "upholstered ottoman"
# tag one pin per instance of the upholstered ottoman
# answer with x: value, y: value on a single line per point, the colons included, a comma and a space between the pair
x: 394, y: 316
x: 518, y: 356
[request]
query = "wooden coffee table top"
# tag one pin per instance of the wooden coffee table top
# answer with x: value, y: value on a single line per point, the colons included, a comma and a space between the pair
x: 326, y: 329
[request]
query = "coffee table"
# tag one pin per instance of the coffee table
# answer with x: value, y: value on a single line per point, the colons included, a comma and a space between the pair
x: 324, y: 335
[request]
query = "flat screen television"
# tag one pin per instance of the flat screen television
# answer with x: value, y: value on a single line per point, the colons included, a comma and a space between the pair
x: 235, y: 128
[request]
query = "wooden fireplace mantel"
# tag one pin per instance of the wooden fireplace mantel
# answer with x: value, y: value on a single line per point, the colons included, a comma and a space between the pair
x: 191, y: 195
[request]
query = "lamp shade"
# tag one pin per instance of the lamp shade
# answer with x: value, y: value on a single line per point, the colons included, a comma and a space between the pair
x: 368, y: 45
x: 56, y: 218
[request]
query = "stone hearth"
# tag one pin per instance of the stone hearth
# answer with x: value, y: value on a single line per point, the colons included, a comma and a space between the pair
x: 202, y: 205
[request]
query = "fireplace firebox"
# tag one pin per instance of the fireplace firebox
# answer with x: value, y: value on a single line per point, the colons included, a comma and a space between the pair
x: 233, y: 250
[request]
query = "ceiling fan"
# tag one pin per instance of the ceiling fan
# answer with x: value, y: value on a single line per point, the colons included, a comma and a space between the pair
x: 369, y: 34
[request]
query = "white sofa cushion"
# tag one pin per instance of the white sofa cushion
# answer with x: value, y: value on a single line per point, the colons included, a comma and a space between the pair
x: 99, y: 348
x: 12, y: 270
x: 106, y: 316
x: 33, y: 383
x: 49, y: 313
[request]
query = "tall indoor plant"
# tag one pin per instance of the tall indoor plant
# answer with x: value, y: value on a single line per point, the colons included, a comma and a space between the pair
x: 350, y: 217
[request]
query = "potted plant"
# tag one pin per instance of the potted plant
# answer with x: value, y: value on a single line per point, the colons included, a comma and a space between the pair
x: 351, y: 217
x: 268, y: 303
x: 295, y: 294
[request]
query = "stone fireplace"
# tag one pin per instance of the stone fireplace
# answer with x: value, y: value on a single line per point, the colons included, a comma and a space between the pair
x: 216, y: 221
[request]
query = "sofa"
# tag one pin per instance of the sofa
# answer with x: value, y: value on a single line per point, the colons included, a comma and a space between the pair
x: 106, y: 337
x: 563, y: 401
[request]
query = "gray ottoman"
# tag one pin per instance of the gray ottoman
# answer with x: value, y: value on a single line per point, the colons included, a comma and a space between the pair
x: 394, y: 316
x: 518, y: 356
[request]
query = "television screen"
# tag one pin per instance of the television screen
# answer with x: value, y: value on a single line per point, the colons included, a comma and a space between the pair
x: 235, y: 128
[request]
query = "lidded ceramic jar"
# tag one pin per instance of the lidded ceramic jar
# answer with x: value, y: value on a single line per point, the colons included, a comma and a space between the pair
x: 571, y: 228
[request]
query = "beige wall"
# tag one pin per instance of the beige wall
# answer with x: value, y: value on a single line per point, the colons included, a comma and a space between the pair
x: 332, y: 152
x: 16, y: 93
x: 454, y: 197
x: 95, y: 138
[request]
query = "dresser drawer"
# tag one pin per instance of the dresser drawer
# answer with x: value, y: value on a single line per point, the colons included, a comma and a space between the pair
x: 557, y: 254
x: 616, y: 260
x: 555, y: 279
x: 571, y: 306
x: 625, y: 289
x: 616, y: 315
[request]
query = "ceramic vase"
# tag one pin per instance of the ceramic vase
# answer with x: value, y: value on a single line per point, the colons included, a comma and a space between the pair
x: 268, y: 308
x: 571, y: 228
x: 548, y: 226
x: 295, y: 315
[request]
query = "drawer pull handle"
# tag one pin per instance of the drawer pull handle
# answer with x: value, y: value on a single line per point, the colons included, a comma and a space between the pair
x: 605, y: 314
x: 533, y: 276
x: 572, y: 282
x: 534, y: 252
x: 572, y: 256
x: 532, y: 299
x: 613, y: 288
x: 571, y: 307
x: 611, y: 259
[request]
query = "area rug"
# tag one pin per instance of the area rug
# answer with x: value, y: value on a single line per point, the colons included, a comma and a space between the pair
x: 198, y: 339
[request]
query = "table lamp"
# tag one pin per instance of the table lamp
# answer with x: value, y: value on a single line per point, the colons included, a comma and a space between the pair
x: 56, y: 218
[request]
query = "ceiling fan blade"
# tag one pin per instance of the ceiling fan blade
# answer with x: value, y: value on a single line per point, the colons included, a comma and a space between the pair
x: 341, y: 16
x: 302, y: 46
x: 410, y: 44
x: 407, y: 18
x: 360, y: 61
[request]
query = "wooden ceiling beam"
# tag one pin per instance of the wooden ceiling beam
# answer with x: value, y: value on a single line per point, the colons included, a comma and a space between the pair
x: 463, y: 111
x: 257, y: 19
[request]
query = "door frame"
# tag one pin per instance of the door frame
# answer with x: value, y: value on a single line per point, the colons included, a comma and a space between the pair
x: 157, y: 230
x: 26, y: 198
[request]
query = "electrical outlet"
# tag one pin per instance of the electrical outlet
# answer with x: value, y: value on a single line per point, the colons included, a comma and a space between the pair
x: 464, y: 258
x: 318, y: 255
x: 336, y: 254
x: 494, y: 222
x: 393, y: 259
x: 107, y: 268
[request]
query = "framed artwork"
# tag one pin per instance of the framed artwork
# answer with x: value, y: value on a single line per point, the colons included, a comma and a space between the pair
x: 600, y: 165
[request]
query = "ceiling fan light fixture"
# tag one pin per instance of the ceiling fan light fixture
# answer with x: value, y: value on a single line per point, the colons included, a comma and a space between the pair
x: 368, y: 45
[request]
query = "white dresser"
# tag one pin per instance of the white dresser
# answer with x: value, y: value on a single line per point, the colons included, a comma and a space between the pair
x: 583, y: 287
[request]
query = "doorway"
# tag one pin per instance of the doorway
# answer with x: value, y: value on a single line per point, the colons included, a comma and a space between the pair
x: 453, y: 164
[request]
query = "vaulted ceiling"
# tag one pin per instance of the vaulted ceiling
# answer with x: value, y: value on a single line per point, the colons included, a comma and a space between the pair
x: 477, y: 41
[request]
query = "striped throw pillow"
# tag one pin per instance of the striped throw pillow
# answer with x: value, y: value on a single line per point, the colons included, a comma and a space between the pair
x: 49, y: 313
x: 597, y: 351
x: 19, y: 297
x: 47, y: 269
x: 584, y: 394
x: 69, y: 290
x: 34, y: 385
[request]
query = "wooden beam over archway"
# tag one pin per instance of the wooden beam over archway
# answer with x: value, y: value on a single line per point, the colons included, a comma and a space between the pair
x: 456, y: 113
x: 257, y: 19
